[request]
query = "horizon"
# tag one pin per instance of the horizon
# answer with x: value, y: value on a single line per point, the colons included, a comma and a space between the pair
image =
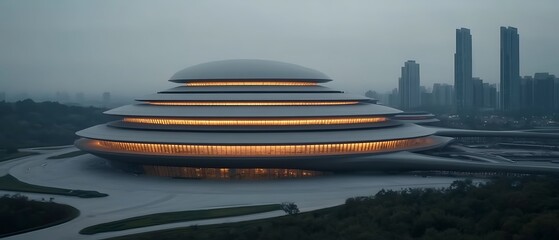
x: 132, y: 49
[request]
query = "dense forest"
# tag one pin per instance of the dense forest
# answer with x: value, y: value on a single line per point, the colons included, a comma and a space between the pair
x: 30, y: 124
x: 506, y: 208
x: 19, y: 214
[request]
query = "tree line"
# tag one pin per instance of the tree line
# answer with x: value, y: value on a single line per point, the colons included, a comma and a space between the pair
x: 19, y: 214
x: 505, y: 208
x: 29, y: 124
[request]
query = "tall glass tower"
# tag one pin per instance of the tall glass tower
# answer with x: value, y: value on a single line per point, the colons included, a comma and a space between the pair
x: 408, y: 86
x: 510, y: 69
x: 463, y: 69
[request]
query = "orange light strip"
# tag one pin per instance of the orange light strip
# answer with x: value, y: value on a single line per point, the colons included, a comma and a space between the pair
x: 255, y: 122
x: 261, y: 150
x: 248, y: 83
x: 227, y: 173
x: 251, y: 103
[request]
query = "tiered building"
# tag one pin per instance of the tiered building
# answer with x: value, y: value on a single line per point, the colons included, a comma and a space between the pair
x: 252, y: 119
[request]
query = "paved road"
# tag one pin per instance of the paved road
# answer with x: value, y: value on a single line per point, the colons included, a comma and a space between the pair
x: 131, y: 195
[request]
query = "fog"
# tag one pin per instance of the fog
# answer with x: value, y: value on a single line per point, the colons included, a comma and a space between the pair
x: 131, y: 47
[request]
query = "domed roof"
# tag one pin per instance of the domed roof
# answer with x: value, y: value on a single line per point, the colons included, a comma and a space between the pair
x: 248, y: 69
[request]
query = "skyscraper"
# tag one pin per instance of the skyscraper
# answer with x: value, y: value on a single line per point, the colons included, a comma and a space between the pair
x: 510, y: 69
x: 408, y: 86
x: 463, y: 69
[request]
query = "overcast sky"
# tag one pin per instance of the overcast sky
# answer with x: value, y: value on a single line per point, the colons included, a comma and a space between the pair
x: 131, y: 47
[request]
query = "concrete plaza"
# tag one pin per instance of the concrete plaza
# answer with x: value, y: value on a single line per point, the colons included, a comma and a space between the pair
x: 133, y: 195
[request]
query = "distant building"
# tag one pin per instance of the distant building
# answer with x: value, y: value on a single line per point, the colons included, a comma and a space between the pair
x: 485, y: 94
x: 477, y: 87
x: 426, y: 96
x: 544, y: 92
x: 106, y: 99
x: 489, y: 95
x: 526, y: 92
x: 394, y: 98
x: 463, y: 69
x: 408, y: 86
x: 510, y: 69
x: 443, y: 94
x: 556, y: 94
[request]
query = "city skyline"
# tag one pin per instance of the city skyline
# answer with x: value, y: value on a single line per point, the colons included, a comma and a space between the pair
x: 92, y: 47
x: 468, y: 92
x: 249, y: 119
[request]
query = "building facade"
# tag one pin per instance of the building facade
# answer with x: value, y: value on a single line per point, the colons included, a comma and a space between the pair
x: 544, y: 92
x: 463, y: 86
x: 477, y: 89
x: 510, y: 69
x: 250, y: 119
x: 409, y: 86
x: 526, y: 92
x: 443, y: 94
x: 489, y: 96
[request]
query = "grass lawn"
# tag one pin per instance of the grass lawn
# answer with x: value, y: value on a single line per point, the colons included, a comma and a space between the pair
x: 10, y: 183
x: 207, y: 231
x: 176, y: 233
x: 68, y: 155
x: 8, y: 156
x: 173, y: 217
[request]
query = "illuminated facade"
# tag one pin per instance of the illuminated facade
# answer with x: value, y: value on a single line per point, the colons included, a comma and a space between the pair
x: 252, y: 119
x: 252, y: 103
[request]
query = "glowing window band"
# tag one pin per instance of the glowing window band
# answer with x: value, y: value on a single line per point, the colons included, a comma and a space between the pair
x: 260, y: 150
x: 251, y: 103
x: 248, y: 83
x: 227, y: 173
x: 255, y: 122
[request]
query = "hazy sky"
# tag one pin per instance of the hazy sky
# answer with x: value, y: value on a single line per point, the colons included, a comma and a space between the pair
x: 132, y: 47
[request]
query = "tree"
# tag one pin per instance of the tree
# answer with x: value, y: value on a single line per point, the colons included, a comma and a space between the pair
x: 289, y: 208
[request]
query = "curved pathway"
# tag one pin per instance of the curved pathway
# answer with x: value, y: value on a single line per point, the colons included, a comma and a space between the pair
x: 134, y: 195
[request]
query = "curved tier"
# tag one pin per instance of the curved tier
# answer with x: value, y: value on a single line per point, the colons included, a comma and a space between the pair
x: 251, y: 128
x: 260, y: 151
x: 253, y: 97
x: 104, y: 132
x: 416, y: 117
x: 140, y: 155
x: 147, y: 110
x: 248, y: 69
x: 252, y: 89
